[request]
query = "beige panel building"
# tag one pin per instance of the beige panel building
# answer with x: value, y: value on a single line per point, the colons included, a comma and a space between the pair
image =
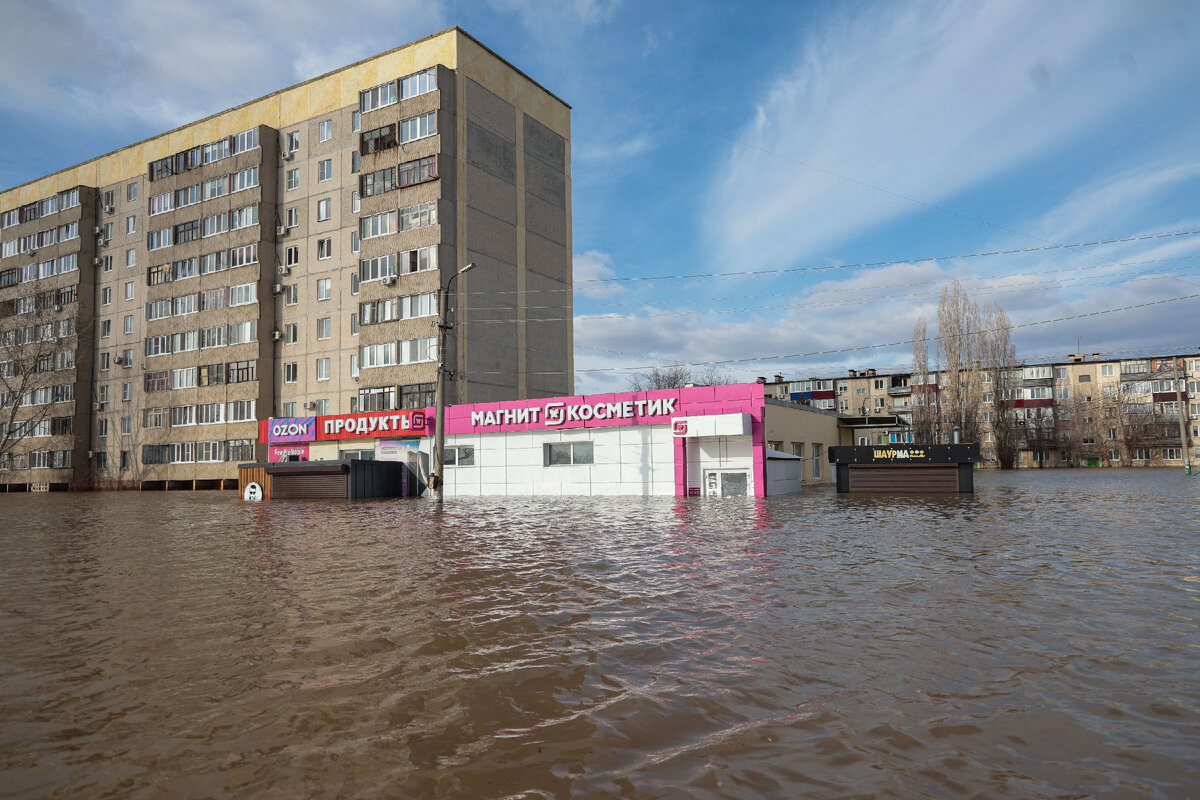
x: 282, y: 258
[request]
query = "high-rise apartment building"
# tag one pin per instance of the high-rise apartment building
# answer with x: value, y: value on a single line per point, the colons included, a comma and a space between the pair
x: 282, y: 258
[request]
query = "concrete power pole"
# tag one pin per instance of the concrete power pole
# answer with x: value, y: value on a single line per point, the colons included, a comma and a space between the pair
x: 1183, y: 424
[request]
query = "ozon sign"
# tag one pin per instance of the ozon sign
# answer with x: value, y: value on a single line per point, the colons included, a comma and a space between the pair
x: 292, y: 429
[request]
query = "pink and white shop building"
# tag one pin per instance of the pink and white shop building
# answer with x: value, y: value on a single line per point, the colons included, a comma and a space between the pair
x: 696, y: 441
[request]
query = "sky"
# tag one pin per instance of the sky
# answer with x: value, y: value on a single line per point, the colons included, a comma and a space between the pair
x: 771, y: 188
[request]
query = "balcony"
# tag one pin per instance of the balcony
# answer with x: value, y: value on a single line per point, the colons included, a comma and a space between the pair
x: 899, y: 391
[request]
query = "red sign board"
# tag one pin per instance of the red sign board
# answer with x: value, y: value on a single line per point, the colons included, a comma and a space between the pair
x: 387, y: 424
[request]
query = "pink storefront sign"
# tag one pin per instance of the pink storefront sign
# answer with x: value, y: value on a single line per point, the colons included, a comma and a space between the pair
x: 287, y: 452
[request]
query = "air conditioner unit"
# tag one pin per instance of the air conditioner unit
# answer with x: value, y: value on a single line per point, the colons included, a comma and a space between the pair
x: 108, y: 209
x: 97, y: 406
x: 91, y: 453
x: 276, y: 335
x: 118, y: 361
x: 389, y: 280
x: 277, y: 289
x: 288, y: 156
x: 96, y: 230
x: 58, y: 307
x: 97, y: 261
x: 283, y: 269
x: 101, y: 241
x: 32, y: 251
x: 281, y: 231
x: 310, y: 405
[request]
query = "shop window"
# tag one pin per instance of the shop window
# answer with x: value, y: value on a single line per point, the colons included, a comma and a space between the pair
x: 565, y: 453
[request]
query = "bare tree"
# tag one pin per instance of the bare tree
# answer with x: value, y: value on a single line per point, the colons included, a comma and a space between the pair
x: 925, y: 418
x: 960, y: 335
x: 1001, y: 373
x: 35, y: 354
x: 677, y: 376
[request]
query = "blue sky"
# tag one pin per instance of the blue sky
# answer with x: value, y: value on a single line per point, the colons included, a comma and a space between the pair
x: 852, y: 156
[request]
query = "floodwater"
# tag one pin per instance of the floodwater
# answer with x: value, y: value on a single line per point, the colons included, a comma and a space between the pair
x: 1038, y: 639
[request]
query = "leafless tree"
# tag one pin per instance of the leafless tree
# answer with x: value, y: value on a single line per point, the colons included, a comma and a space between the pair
x: 959, y: 342
x: 37, y: 349
x: 1001, y: 371
x: 677, y: 376
x: 925, y: 418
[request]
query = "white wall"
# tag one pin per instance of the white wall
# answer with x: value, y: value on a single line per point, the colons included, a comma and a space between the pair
x: 729, y: 453
x: 629, y: 460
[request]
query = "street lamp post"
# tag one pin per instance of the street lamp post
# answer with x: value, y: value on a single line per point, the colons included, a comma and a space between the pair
x: 439, y: 433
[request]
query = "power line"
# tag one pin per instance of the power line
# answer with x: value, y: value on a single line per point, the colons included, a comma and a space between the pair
x: 860, y: 348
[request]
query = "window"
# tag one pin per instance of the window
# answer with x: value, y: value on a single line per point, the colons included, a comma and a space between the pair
x: 289, y: 409
x: 417, y: 395
x: 291, y: 294
x: 128, y: 323
x: 106, y: 296
x: 243, y: 217
x: 564, y: 453
x: 377, y: 225
x: 215, y: 224
x: 184, y: 341
x: 242, y: 295
x: 418, y: 305
x: 241, y: 332
x: 240, y: 449
x: 1172, y: 454
x: 377, y: 139
x: 324, y: 328
x: 324, y: 209
x: 415, y: 172
x: 354, y: 246
x: 292, y: 217
x: 210, y: 375
x: 355, y: 161
x: 419, y: 260
x: 101, y: 428
x: 107, y: 264
x: 240, y: 411
x: 1106, y: 370
x: 324, y: 170
x: 1085, y: 378
x: 325, y: 130
x: 246, y: 179
x: 130, y: 257
x: 322, y: 369
x: 324, y: 249
x: 377, y: 97
x: 241, y: 371
x: 292, y: 142
x: 104, y: 360
x: 182, y: 416
x: 130, y: 225
x: 324, y: 288
x: 373, y: 183
x: 157, y: 381
x: 210, y: 451
x: 415, y: 351
x: 105, y: 328
x: 372, y: 269
x: 215, y: 262
x: 355, y: 203
x: 215, y: 187
x: 131, y: 192
x: 291, y: 372
x: 379, y: 399
x: 129, y: 289
x: 377, y: 355
x: 292, y: 179
x: 290, y: 333
x: 1140, y: 454
x: 462, y: 456
x: 356, y: 121
x: 418, y: 216
x: 419, y: 127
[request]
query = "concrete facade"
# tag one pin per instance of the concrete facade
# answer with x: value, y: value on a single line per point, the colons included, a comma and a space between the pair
x: 309, y: 232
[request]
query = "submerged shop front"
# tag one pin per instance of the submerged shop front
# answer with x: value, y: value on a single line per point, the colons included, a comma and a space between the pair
x: 704, y: 440
x: 697, y: 441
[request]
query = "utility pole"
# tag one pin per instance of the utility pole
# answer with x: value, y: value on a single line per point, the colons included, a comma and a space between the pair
x: 436, y: 482
x: 1183, y: 424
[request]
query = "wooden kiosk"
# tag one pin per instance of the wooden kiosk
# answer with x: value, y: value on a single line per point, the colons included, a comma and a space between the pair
x: 932, y: 468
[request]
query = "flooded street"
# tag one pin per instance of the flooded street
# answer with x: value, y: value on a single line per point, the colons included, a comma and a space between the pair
x: 1037, y: 639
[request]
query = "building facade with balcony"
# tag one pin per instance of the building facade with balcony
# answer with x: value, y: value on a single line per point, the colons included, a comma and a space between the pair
x: 282, y: 258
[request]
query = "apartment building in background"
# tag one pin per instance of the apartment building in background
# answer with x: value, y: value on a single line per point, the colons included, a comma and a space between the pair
x: 282, y: 258
x: 1078, y: 412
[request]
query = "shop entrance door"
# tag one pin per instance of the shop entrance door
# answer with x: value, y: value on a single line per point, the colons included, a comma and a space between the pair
x: 718, y: 483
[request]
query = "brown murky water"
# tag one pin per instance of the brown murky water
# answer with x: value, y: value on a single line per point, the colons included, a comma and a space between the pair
x: 1038, y: 639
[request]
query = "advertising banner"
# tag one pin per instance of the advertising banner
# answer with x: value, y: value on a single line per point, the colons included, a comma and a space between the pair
x: 291, y: 429
x: 287, y: 452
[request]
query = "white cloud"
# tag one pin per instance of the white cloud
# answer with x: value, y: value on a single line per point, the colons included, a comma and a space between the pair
x: 163, y: 65
x: 912, y: 103
x: 557, y: 15
x: 594, y: 266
